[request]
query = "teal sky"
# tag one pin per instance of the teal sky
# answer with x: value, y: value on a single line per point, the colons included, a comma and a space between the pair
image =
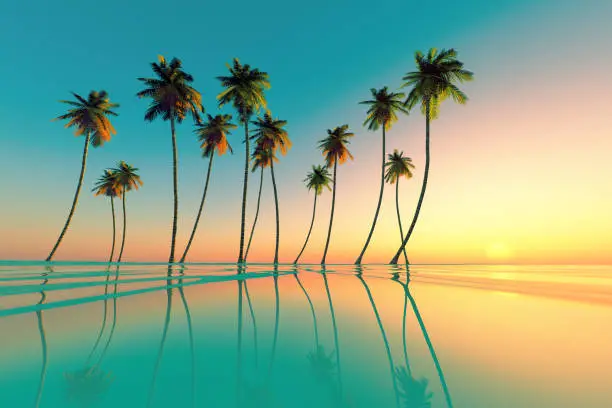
x: 322, y: 58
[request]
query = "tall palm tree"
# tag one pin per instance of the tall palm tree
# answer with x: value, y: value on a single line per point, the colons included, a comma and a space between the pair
x: 434, y: 81
x: 107, y: 186
x: 90, y: 117
x: 212, y: 136
x: 398, y: 166
x: 244, y: 88
x: 270, y: 135
x: 262, y: 158
x: 172, y: 98
x: 335, y: 151
x: 315, y: 180
x: 127, y: 180
x: 382, y: 113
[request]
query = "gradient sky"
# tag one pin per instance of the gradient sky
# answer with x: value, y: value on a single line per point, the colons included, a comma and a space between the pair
x: 520, y: 174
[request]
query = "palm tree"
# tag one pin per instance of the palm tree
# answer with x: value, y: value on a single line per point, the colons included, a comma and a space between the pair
x: 90, y: 118
x: 382, y: 113
x: 315, y: 180
x: 433, y: 82
x: 270, y: 136
x: 244, y: 88
x: 335, y: 151
x: 107, y: 186
x: 212, y: 136
x: 172, y: 98
x: 262, y: 158
x: 398, y: 166
x: 127, y: 180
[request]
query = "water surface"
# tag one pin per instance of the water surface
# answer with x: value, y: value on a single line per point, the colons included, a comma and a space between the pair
x: 141, y: 335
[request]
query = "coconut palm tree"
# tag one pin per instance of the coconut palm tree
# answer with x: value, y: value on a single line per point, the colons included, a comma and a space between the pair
x: 262, y: 158
x: 127, y: 180
x: 172, y: 98
x: 107, y: 186
x: 212, y: 136
x: 315, y: 180
x: 398, y: 166
x: 384, y: 107
x: 335, y: 151
x: 244, y: 89
x: 90, y: 117
x: 434, y: 81
x: 270, y: 135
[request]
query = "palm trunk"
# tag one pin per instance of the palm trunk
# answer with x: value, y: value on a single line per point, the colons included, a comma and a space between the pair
x: 191, y: 343
x: 43, y: 342
x: 197, y: 220
x: 112, y: 200
x: 256, y: 215
x: 163, y: 339
x: 384, y: 337
x: 331, y: 219
x: 276, y: 324
x: 239, y: 346
x: 244, y: 190
x: 335, y: 327
x: 309, y: 230
x: 399, y: 219
x: 430, y: 347
x: 76, y: 198
x: 423, y: 187
x: 175, y: 190
x: 312, y: 310
x: 252, y: 312
x: 114, y: 324
x: 105, y: 309
x: 124, y: 226
x: 380, y: 197
x: 277, y: 216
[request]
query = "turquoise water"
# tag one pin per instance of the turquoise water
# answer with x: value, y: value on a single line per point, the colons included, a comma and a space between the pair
x: 140, y: 335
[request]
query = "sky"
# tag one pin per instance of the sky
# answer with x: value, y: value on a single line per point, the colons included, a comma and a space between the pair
x: 520, y: 174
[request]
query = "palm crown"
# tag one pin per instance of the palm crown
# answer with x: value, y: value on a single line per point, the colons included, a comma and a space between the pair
x: 262, y: 157
x: 127, y: 177
x: 107, y: 185
x: 173, y: 96
x: 269, y: 134
x: 383, y: 108
x: 318, y: 178
x: 244, y: 88
x: 212, y: 134
x: 91, y: 116
x: 398, y: 166
x: 334, y: 145
x: 435, y: 79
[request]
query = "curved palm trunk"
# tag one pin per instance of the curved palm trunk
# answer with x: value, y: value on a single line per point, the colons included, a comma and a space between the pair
x: 312, y: 310
x: 76, y: 198
x: 244, y: 189
x: 105, y: 309
x: 197, y: 220
x: 314, y: 210
x: 423, y: 187
x: 384, y: 337
x: 430, y: 347
x: 112, y: 200
x: 399, y: 219
x: 175, y: 190
x: 335, y: 327
x: 380, y: 197
x: 191, y: 344
x: 163, y: 339
x: 124, y: 226
x: 114, y: 324
x: 331, y: 219
x: 256, y: 216
x: 43, y: 342
x: 277, y: 216
x: 276, y: 324
x: 252, y: 312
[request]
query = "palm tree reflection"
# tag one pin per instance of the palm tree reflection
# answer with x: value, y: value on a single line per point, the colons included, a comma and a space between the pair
x: 190, y: 331
x: 43, y: 336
